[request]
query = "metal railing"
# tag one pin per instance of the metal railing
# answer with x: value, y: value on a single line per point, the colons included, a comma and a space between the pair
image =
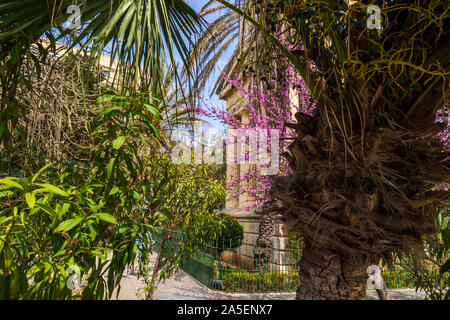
x: 249, y: 269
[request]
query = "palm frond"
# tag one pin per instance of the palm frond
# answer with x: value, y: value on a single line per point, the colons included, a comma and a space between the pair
x: 141, y: 34
x: 228, y: 31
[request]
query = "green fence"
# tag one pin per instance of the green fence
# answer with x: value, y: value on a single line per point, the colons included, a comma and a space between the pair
x: 248, y: 269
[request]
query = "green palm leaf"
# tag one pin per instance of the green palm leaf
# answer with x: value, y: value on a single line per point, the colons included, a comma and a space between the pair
x: 139, y: 33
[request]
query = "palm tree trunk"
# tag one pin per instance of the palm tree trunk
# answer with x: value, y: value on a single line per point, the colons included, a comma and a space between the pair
x: 264, y: 245
x: 327, y: 276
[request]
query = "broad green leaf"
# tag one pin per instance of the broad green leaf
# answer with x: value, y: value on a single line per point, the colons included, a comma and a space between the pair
x: 25, y: 184
x: 93, y: 233
x: 61, y: 251
x: 150, y: 125
x: 137, y: 196
x: 153, y: 110
x: 6, y: 194
x: 46, y: 208
x: 155, y: 99
x: 53, y: 189
x: 108, y: 111
x: 8, y: 257
x: 107, y: 97
x: 5, y: 187
x: 2, y: 242
x: 120, y: 102
x: 31, y: 199
x: 118, y: 143
x: 39, y: 191
x: 64, y: 209
x: 68, y: 225
x: 22, y: 218
x: 5, y: 219
x: 106, y: 217
x: 11, y: 183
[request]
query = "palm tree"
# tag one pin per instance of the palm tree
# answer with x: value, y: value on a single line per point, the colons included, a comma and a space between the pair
x: 139, y: 34
x: 227, y: 31
x: 365, y: 168
x: 174, y: 105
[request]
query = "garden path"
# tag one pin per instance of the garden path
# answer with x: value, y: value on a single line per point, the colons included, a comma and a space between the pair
x: 184, y: 287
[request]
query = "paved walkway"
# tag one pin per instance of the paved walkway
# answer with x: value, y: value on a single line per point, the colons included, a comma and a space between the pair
x: 184, y: 287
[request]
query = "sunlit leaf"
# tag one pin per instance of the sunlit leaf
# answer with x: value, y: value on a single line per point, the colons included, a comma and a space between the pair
x: 106, y: 217
x: 68, y: 225
x: 53, y: 189
x: 11, y: 183
x: 40, y: 171
x: 31, y: 199
x: 118, y: 142
x: 46, y: 208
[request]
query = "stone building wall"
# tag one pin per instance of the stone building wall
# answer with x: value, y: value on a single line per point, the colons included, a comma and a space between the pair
x: 235, y: 204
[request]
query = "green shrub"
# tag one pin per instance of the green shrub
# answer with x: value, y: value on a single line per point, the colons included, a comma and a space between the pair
x: 228, y: 233
x: 184, y: 199
x: 401, y: 279
x: 246, y: 282
x: 398, y: 279
x: 55, y: 226
x: 295, y: 244
x: 432, y: 278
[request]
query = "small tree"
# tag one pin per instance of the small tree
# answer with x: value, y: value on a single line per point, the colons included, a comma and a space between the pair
x: 181, y: 200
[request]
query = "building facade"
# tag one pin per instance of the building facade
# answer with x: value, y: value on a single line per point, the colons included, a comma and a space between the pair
x: 255, y: 226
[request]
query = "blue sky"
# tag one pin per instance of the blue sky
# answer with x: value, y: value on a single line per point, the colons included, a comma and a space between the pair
x: 197, y: 5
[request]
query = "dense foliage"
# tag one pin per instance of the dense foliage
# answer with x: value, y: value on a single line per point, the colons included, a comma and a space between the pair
x: 245, y: 282
x: 84, y: 216
x: 56, y: 224
x: 431, y: 273
x: 226, y: 232
x: 89, y: 219
x: 366, y: 162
